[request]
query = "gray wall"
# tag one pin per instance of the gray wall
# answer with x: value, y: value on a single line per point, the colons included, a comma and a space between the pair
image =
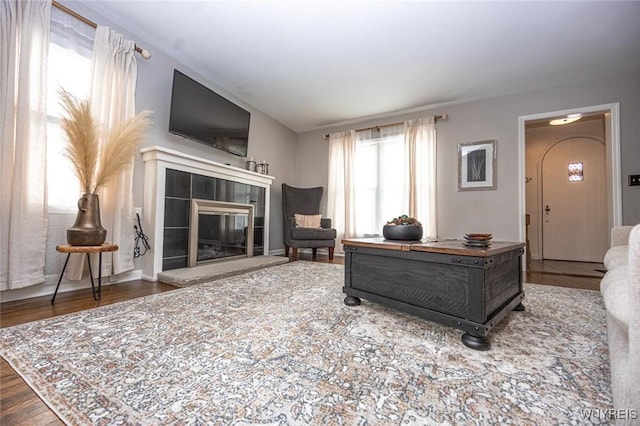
x: 302, y: 159
x: 497, y: 211
x: 268, y: 139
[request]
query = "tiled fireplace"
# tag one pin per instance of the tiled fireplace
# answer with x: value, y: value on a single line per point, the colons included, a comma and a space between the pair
x: 201, y: 211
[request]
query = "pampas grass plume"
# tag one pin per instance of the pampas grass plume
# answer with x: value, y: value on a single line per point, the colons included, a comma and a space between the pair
x: 121, y: 147
x: 94, y: 166
x: 82, y: 148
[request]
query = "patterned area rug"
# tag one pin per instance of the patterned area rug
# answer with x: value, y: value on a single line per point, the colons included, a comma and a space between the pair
x: 278, y: 346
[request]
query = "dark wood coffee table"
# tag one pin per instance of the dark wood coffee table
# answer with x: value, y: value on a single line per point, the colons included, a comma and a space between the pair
x: 468, y: 288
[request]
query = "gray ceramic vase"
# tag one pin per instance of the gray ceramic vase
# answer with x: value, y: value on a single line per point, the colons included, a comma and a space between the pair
x: 87, y: 230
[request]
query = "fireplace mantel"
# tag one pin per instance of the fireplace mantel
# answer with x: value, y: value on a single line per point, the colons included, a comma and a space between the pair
x: 157, y: 160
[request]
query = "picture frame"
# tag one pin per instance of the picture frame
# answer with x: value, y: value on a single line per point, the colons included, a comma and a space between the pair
x: 477, y: 166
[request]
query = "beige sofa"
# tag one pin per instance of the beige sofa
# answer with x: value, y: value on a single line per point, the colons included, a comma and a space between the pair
x: 620, y: 289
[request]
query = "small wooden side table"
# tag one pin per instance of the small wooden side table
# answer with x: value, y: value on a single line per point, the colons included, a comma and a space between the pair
x: 64, y: 248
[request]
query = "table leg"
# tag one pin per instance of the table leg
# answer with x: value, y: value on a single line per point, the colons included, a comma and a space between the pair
x: 520, y: 307
x: 479, y: 343
x: 351, y: 301
x: 60, y: 279
x: 97, y: 294
x: 99, y: 276
x: 93, y: 287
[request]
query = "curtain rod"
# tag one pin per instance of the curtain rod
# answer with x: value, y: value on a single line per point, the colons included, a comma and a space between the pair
x: 143, y: 52
x: 435, y: 119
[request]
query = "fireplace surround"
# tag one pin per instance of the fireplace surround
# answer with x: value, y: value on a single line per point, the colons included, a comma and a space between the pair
x: 173, y: 180
x: 225, y: 205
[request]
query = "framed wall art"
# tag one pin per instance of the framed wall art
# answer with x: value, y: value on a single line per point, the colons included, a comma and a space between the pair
x: 477, y: 163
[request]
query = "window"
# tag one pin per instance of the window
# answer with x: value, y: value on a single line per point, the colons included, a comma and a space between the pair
x: 376, y: 175
x: 576, y: 172
x: 380, y: 181
x: 69, y: 67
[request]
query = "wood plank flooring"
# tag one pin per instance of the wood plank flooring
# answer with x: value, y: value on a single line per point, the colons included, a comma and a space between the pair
x: 20, y: 406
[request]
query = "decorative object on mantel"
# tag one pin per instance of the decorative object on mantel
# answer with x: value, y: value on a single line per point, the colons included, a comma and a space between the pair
x: 477, y: 166
x: 94, y: 163
x: 402, y: 228
x: 251, y: 165
x: 262, y: 168
x: 477, y: 240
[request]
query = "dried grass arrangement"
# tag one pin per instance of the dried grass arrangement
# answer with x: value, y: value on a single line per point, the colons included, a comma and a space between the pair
x: 94, y: 165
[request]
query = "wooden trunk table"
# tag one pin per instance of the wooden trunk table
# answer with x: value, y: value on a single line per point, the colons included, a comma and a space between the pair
x: 468, y: 288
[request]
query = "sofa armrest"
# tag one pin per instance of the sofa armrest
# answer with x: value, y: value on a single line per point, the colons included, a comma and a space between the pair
x: 620, y: 235
x: 325, y: 223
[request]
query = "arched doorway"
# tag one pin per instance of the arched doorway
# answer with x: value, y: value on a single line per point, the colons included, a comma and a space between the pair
x: 573, y: 208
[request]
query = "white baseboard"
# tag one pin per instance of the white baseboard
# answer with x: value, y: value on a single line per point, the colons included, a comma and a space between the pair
x: 49, y: 286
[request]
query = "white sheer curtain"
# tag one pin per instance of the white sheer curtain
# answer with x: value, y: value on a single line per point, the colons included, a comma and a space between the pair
x: 420, y: 142
x: 340, y: 192
x: 113, y: 89
x: 113, y: 84
x: 378, y: 174
x: 24, y: 43
x: 381, y: 181
x: 69, y: 68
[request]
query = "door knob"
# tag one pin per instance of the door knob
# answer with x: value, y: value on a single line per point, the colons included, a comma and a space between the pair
x: 547, y: 209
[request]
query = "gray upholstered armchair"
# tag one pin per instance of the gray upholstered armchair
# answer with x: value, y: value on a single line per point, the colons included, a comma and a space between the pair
x: 305, y: 201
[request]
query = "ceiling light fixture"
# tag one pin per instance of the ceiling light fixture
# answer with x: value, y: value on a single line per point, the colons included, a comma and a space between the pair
x: 566, y: 120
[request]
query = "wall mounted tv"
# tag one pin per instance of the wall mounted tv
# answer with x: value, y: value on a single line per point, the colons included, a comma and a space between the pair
x: 199, y: 113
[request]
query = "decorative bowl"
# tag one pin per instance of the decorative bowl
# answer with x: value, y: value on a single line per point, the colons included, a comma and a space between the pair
x: 402, y: 232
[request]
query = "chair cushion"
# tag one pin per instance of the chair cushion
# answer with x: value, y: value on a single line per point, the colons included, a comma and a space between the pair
x: 616, y: 256
x: 313, y: 234
x: 308, y: 220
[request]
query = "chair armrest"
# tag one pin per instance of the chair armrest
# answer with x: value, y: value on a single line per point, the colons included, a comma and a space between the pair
x: 325, y: 223
x: 620, y: 235
x: 292, y: 222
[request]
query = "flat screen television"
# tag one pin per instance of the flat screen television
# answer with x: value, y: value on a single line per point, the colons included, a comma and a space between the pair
x: 199, y: 113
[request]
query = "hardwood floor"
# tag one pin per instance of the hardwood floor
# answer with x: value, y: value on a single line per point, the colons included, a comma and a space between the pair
x: 564, y: 267
x: 572, y: 281
x: 19, y: 405
x: 585, y: 275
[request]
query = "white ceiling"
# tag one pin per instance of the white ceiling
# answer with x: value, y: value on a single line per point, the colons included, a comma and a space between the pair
x: 311, y: 64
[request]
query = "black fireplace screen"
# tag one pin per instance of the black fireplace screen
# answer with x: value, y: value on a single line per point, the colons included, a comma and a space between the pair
x: 221, y: 235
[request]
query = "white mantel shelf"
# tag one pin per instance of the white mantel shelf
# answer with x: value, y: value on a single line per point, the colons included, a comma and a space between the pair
x: 157, y: 160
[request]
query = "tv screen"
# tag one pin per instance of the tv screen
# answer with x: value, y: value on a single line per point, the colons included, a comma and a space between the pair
x: 199, y: 113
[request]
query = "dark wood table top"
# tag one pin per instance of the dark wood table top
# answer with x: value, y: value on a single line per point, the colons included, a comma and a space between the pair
x: 454, y: 247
